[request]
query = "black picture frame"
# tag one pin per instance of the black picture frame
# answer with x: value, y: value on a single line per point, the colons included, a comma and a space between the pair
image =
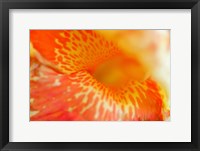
x: 5, y: 5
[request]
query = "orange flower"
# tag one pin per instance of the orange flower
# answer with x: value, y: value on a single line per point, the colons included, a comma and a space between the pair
x: 95, y: 75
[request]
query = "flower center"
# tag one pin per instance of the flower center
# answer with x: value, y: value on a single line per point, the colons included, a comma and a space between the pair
x: 117, y: 71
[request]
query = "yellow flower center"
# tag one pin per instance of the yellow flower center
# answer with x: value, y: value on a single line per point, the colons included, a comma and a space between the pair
x: 117, y: 71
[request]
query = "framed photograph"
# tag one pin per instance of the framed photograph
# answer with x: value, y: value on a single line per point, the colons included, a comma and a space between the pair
x: 100, y: 75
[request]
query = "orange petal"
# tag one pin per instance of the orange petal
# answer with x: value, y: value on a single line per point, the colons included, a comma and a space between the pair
x: 72, y: 50
x: 63, y: 86
x: 80, y: 97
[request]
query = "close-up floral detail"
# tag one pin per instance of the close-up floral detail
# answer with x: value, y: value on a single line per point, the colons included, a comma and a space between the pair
x: 99, y: 75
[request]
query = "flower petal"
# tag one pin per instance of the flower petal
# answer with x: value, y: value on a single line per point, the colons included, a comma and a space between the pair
x: 72, y: 50
x: 80, y: 97
x: 63, y: 88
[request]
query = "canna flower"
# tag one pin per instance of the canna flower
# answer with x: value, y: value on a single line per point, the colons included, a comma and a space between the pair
x: 98, y: 75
